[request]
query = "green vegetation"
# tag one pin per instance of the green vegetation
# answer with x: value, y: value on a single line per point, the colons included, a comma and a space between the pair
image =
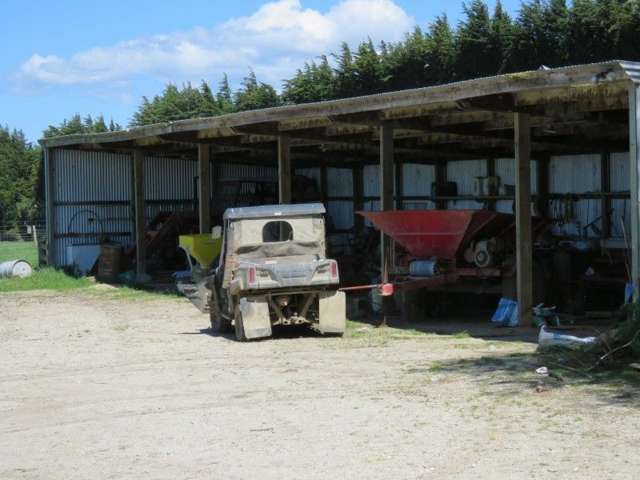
x: 45, y: 279
x: 368, y: 332
x: 545, y: 32
x: 19, y: 251
x: 77, y: 124
x: 484, y: 43
x: 191, y: 102
x: 123, y: 292
x: 19, y: 173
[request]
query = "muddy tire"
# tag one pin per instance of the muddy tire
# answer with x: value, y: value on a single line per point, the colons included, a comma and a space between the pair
x: 240, y: 336
x: 219, y: 324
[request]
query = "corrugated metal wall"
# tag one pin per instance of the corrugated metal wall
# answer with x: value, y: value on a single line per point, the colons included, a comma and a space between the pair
x: 92, y: 192
x: 575, y: 174
x: 91, y: 198
x: 620, y: 182
x: 505, y: 168
x: 416, y: 182
x: 169, y: 185
x: 464, y: 172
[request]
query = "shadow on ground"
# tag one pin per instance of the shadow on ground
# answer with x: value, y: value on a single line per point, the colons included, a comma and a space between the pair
x: 288, y: 332
x: 516, y: 373
x: 475, y: 328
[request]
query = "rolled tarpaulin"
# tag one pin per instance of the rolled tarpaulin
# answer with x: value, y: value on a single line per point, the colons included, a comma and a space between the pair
x: 15, y: 268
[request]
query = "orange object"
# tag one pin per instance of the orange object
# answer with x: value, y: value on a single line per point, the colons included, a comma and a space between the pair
x: 386, y: 289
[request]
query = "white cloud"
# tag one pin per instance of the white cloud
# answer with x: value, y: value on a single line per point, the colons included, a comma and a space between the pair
x: 275, y: 40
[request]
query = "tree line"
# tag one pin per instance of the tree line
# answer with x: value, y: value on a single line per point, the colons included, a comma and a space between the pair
x: 19, y: 173
x: 549, y: 33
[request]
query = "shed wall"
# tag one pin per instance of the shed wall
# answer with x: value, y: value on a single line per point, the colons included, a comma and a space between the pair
x: 92, y: 192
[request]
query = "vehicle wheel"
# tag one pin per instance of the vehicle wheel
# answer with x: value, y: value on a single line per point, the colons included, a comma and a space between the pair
x: 240, y: 336
x: 219, y: 324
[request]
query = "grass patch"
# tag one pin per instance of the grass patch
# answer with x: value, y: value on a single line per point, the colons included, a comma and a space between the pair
x: 436, y: 367
x: 122, y: 292
x: 19, y: 251
x: 462, y: 334
x: 45, y: 279
x: 360, y: 330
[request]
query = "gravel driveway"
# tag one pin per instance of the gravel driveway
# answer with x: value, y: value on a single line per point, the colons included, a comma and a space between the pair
x: 95, y: 385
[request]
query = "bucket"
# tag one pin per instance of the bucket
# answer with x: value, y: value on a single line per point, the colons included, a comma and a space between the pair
x: 15, y: 268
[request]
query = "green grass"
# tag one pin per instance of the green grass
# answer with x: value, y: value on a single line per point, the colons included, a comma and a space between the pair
x: 45, y: 279
x: 122, y: 292
x: 57, y: 280
x: 367, y: 331
x: 19, y: 251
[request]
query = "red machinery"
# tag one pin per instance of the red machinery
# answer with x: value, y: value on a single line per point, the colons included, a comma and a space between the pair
x: 466, y: 243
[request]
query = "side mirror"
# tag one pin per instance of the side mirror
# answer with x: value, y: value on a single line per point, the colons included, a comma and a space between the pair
x: 216, y: 232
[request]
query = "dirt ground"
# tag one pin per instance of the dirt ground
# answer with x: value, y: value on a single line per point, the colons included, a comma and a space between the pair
x: 101, y: 386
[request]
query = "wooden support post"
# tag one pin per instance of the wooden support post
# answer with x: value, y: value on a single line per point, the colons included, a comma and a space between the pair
x: 324, y: 186
x: 204, y: 187
x: 605, y: 203
x: 524, y: 239
x: 491, y: 172
x: 544, y: 159
x: 399, y: 192
x: 358, y: 197
x: 441, y: 177
x: 386, y: 189
x: 284, y: 169
x: 138, y: 202
x: 49, y: 181
x: 634, y: 171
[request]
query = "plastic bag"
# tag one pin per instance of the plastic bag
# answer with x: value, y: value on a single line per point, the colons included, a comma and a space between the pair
x: 506, y: 314
x: 549, y: 338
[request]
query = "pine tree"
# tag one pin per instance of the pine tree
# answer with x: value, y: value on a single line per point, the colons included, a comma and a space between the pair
x: 366, y: 70
x: 19, y: 167
x: 589, y: 27
x: 344, y: 73
x: 441, y: 52
x: 500, y: 40
x: 474, y: 39
x: 253, y: 95
x: 209, y: 105
x: 224, y: 97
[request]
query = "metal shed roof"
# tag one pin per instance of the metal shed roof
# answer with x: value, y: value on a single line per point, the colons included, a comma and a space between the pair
x: 426, y: 116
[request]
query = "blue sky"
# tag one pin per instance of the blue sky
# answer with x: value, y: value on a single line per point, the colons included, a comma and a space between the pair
x: 66, y: 56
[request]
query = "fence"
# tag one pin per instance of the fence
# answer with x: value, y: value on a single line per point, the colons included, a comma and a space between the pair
x: 26, y: 242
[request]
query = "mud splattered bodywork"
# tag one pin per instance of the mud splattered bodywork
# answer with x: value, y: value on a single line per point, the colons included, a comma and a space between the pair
x: 273, y: 270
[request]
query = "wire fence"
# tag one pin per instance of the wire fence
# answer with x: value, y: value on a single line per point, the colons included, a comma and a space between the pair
x: 24, y: 242
x: 31, y: 231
